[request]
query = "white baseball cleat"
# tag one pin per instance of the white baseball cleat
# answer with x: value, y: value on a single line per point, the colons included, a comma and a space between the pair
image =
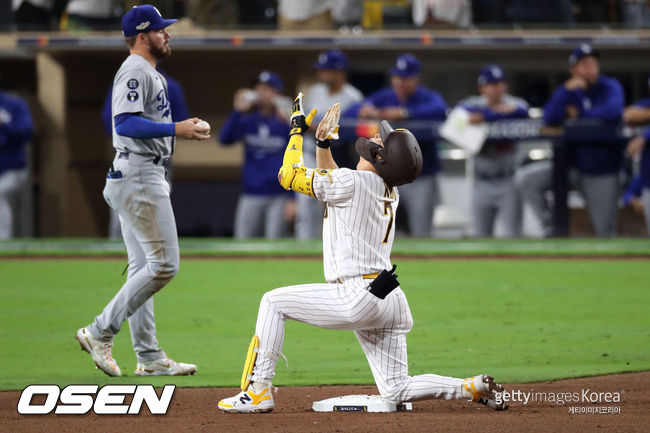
x: 249, y: 401
x: 164, y: 367
x: 100, y: 352
x: 482, y: 389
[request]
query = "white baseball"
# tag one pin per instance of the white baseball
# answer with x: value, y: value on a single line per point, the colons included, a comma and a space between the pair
x: 203, y: 124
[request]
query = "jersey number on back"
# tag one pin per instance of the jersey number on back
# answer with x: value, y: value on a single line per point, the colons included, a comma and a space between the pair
x: 388, y: 211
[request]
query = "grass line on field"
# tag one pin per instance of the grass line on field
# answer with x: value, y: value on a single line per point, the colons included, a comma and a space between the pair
x: 213, y: 247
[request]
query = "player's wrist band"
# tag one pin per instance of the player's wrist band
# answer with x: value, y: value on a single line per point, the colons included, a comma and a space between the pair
x: 323, y: 144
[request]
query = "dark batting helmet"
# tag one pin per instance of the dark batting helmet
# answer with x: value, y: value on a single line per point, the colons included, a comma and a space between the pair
x: 399, y: 161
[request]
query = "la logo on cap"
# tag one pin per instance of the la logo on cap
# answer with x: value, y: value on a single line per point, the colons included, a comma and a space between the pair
x: 401, y: 64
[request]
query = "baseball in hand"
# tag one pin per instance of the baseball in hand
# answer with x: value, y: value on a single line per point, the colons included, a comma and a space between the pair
x: 204, y: 124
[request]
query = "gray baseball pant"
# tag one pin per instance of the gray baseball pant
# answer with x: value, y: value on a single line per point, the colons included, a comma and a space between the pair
x: 10, y: 183
x: 645, y: 197
x: 141, y: 197
x: 261, y: 216
x: 420, y: 198
x: 600, y: 194
x: 492, y: 198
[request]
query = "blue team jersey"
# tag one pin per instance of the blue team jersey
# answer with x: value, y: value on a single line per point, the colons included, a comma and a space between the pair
x: 423, y: 104
x: 16, y: 130
x: 604, y: 100
x: 265, y: 139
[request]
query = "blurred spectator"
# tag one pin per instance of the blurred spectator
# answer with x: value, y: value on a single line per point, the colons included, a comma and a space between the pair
x: 347, y: 13
x: 259, y: 120
x: 332, y: 87
x: 639, y: 114
x: 595, y: 166
x: 93, y: 14
x: 442, y: 13
x: 16, y: 129
x: 179, y: 112
x: 635, y: 13
x: 38, y: 14
x: 408, y: 100
x: 495, y: 165
x: 304, y: 15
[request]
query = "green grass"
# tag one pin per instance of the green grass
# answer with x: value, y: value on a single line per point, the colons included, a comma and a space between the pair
x: 518, y: 320
x: 221, y: 247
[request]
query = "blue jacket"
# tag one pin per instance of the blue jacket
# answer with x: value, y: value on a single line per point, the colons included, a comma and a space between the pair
x: 604, y: 100
x: 423, y: 104
x: 176, y: 97
x: 16, y: 129
x: 265, y: 139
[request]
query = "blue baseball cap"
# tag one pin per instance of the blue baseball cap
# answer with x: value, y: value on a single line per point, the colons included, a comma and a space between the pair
x: 581, y: 51
x: 271, y: 79
x: 143, y: 18
x: 332, y: 59
x: 491, y: 74
x: 406, y: 65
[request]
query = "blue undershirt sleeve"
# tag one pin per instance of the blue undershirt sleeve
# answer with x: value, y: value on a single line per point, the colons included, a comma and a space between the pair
x: 134, y: 126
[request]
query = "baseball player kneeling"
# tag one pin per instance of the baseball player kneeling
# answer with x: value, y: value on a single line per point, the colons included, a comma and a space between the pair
x: 362, y: 293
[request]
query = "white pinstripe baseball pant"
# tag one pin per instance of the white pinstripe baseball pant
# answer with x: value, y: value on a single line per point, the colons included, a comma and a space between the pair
x: 380, y: 326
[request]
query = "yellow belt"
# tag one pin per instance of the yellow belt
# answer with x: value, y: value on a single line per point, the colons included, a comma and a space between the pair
x: 365, y: 277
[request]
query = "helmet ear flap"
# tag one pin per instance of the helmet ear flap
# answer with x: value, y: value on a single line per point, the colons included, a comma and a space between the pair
x: 379, y: 155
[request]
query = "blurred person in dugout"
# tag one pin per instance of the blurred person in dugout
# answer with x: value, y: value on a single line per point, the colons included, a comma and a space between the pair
x: 408, y: 100
x: 179, y: 112
x: 259, y: 119
x: 594, y: 167
x: 638, y: 149
x: 332, y: 87
x: 442, y: 14
x: 16, y: 129
x: 494, y: 191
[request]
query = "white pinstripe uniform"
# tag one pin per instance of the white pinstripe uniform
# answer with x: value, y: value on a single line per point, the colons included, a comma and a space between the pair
x: 358, y: 234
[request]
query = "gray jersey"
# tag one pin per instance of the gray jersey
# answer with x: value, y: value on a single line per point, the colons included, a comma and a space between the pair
x: 319, y: 97
x: 495, y: 159
x: 139, y: 88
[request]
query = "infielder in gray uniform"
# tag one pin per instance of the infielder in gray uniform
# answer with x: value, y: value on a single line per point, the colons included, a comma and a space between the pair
x: 362, y: 293
x: 144, y: 139
x: 494, y: 167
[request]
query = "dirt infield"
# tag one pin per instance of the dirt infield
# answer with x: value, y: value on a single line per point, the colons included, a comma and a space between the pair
x: 195, y: 410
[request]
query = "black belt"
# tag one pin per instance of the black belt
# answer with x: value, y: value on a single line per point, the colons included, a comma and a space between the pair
x: 157, y: 160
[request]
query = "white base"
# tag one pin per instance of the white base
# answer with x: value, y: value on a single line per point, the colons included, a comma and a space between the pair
x: 359, y: 403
